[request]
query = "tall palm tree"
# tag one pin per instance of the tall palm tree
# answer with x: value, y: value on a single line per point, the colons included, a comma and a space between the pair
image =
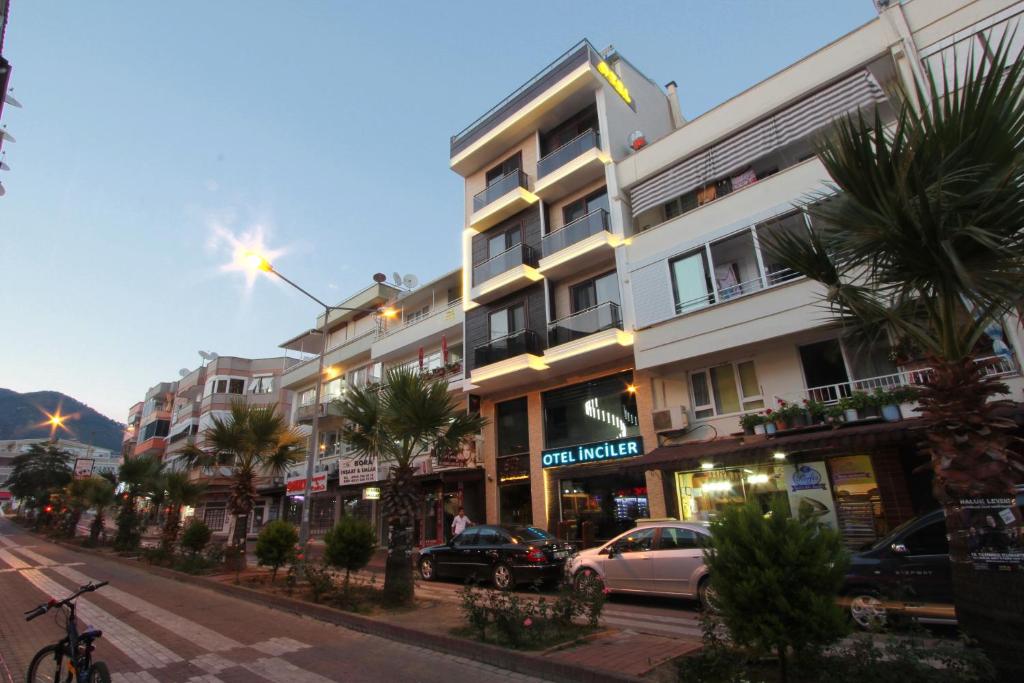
x: 923, y: 245
x: 178, y: 490
x: 251, y: 441
x: 405, y: 417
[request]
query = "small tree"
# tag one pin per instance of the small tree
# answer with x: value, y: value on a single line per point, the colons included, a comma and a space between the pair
x: 42, y: 470
x: 275, y: 546
x: 137, y: 477
x: 350, y: 545
x: 195, y: 536
x: 775, y: 580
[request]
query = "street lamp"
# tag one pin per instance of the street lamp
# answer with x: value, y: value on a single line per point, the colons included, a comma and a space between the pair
x: 255, y: 262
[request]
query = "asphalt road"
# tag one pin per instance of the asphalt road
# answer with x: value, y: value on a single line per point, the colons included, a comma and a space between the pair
x: 156, y: 629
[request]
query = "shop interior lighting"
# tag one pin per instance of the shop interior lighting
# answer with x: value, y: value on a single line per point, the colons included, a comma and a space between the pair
x: 716, y: 487
x: 779, y: 455
x: 757, y: 479
x: 707, y: 465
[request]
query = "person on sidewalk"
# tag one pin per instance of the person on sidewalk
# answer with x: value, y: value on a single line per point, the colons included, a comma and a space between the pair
x: 460, y: 522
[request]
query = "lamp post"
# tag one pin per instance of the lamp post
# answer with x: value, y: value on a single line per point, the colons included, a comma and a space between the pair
x: 258, y: 263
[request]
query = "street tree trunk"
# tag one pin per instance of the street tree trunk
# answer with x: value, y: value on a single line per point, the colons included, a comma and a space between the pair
x: 97, y: 526
x: 400, y: 499
x: 172, y: 524
x: 975, y: 455
x: 240, y: 502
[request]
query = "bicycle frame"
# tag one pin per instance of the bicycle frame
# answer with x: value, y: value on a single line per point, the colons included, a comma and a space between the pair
x: 76, y: 647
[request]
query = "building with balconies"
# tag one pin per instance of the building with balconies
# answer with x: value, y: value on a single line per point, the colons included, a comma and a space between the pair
x: 721, y: 331
x: 548, y: 345
x: 155, y: 421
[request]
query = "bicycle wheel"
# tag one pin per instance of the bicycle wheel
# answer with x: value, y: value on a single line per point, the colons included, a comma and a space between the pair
x: 48, y: 666
x: 99, y: 673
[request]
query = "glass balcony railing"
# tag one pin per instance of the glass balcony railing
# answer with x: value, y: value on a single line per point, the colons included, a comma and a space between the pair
x: 578, y: 230
x: 499, y: 188
x: 560, y: 157
x: 515, y: 344
x: 518, y: 255
x: 578, y: 325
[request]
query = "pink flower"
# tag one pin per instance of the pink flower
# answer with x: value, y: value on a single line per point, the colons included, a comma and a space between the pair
x: 606, y: 591
x: 527, y: 622
x: 300, y: 556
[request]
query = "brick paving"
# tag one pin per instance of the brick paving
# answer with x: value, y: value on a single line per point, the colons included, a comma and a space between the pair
x: 632, y: 655
x: 156, y: 629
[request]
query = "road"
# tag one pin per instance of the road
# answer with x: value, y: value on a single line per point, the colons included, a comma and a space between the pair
x: 157, y: 629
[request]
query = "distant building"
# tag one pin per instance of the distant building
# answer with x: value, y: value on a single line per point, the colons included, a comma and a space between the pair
x: 103, y: 460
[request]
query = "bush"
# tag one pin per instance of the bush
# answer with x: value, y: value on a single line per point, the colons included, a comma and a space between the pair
x: 349, y: 545
x: 195, y: 537
x: 275, y: 546
x: 776, y: 579
x: 129, y: 530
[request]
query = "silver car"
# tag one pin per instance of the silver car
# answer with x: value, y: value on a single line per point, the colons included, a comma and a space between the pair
x: 659, y: 558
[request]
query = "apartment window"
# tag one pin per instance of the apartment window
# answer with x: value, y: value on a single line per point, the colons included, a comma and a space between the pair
x: 507, y: 321
x: 691, y: 282
x: 214, y: 518
x: 158, y: 428
x: 566, y: 131
x: 581, y: 207
x: 500, y: 243
x: 368, y: 374
x: 307, y: 397
x: 725, y: 389
x: 262, y: 385
x: 513, y: 163
x: 594, y: 292
x: 417, y: 314
x: 454, y: 294
x: 332, y: 389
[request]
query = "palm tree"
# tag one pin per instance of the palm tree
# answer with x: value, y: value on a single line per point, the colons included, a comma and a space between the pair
x: 99, y: 495
x: 136, y: 477
x: 405, y: 417
x: 178, y: 490
x: 252, y: 440
x: 923, y: 245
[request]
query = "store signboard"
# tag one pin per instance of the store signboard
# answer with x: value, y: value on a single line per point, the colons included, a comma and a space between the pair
x: 83, y: 468
x: 357, y: 470
x: 297, y: 484
x: 599, y: 451
x: 992, y: 529
x: 809, y: 490
x: 371, y: 493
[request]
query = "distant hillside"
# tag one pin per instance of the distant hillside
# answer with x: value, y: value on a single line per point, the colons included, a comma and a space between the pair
x: 20, y: 416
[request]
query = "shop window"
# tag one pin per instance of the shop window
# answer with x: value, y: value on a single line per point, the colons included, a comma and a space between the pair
x: 598, y: 410
x: 725, y: 390
x: 704, y: 494
x: 603, y: 506
x: 859, y: 511
x: 674, y: 538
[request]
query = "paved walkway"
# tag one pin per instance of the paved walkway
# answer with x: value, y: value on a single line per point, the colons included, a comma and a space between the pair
x: 157, y: 629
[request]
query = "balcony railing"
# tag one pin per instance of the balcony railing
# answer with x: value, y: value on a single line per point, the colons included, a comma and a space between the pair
x: 590, y: 321
x: 578, y: 230
x: 409, y: 321
x: 554, y: 160
x: 518, y: 255
x: 992, y: 366
x: 500, y: 188
x: 510, y: 346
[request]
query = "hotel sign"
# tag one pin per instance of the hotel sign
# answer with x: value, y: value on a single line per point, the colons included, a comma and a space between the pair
x: 616, y: 83
x: 599, y: 451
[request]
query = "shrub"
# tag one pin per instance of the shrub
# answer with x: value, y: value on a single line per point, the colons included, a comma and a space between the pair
x: 275, y: 546
x: 129, y: 529
x: 776, y: 579
x: 195, y: 536
x: 349, y: 545
x: 320, y: 581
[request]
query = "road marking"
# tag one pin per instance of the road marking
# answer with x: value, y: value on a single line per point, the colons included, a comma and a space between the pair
x: 279, y: 646
x: 282, y: 670
x: 16, y: 563
x: 45, y: 566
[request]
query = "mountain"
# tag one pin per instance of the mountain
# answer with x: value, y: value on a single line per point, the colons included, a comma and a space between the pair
x: 21, y: 415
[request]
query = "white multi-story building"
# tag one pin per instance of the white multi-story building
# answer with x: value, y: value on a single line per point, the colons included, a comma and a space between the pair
x: 86, y: 459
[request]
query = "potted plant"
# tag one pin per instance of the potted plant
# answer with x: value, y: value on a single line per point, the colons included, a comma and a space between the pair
x: 787, y: 415
x: 750, y: 423
x: 848, y: 406
x: 885, y: 399
x: 769, y: 421
x: 858, y: 405
x: 906, y: 398
x: 815, y: 411
x: 834, y: 413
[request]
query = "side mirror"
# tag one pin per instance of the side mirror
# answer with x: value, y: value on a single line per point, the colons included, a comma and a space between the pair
x: 899, y: 549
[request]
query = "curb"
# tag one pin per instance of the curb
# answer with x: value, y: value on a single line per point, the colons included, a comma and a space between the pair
x: 517, y: 662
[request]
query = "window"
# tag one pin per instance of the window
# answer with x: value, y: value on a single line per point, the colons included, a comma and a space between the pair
x: 691, y: 282
x: 507, y: 321
x: 581, y: 207
x: 214, y: 518
x: 332, y: 389
x: 157, y: 428
x: 515, y: 506
x: 674, y: 538
x: 454, y: 294
x: 513, y: 163
x: 236, y: 386
x: 577, y: 124
x: 929, y: 540
x: 601, y: 289
x: 466, y: 538
x: 368, y: 374
x: 512, y: 427
x: 636, y: 542
x: 725, y: 389
x: 416, y: 315
x: 307, y: 397
x: 500, y: 243
x: 262, y: 385
x: 591, y: 411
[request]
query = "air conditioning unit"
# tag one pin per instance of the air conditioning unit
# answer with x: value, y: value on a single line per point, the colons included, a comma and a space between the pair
x: 671, y: 419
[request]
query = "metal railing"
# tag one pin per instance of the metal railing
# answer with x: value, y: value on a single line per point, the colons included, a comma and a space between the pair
x: 575, y: 231
x: 731, y: 292
x: 409, y: 322
x: 584, y: 323
x: 519, y: 255
x: 500, y: 187
x: 589, y: 139
x: 509, y: 346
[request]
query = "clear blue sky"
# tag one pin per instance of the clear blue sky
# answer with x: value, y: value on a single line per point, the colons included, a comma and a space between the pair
x: 327, y: 123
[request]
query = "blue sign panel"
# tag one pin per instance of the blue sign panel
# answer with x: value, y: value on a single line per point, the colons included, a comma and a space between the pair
x: 600, y: 451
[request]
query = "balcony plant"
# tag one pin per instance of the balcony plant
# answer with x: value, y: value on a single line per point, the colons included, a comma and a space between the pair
x: 887, y: 402
x: 769, y: 421
x: 750, y: 422
x: 815, y: 411
x: 834, y: 413
x: 788, y: 415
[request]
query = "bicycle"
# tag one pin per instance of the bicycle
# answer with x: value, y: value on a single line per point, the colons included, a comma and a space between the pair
x: 73, y: 653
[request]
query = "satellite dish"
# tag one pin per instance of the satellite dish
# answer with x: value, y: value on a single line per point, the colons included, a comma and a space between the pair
x: 2, y: 190
x: 183, y: 372
x: 380, y: 277
x: 396, y: 278
x: 410, y: 281
x: 204, y: 355
x: 4, y: 135
x: 4, y: 166
x: 9, y: 99
x: 213, y: 356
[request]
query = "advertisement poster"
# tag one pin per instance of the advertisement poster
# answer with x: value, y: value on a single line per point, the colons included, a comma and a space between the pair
x: 297, y: 484
x: 993, y: 531
x: 83, y: 468
x: 808, y: 489
x: 358, y: 470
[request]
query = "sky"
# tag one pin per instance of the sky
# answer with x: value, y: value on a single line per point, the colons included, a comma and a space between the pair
x: 150, y: 130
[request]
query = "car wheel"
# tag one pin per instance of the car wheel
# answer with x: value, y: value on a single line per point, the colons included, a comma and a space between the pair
x: 502, y: 577
x: 707, y: 596
x: 587, y: 579
x: 427, y: 569
x: 867, y: 610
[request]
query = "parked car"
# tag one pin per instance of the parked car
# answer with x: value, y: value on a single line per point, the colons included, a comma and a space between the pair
x: 504, y: 555
x: 908, y: 567
x: 660, y: 558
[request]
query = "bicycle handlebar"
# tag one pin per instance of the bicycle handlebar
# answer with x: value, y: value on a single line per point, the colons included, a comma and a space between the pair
x: 47, y: 606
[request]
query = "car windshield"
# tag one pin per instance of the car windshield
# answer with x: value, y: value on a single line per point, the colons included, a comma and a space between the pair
x: 529, y: 533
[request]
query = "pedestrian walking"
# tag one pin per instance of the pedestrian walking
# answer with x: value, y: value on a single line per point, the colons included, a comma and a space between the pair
x: 460, y: 522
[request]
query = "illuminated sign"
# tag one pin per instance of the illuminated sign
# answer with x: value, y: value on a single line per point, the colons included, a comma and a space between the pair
x: 599, y: 451
x: 371, y: 493
x: 298, y: 484
x: 616, y: 83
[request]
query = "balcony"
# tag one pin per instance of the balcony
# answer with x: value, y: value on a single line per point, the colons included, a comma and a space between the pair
x: 510, y: 346
x: 587, y: 337
x: 351, y: 351
x: 402, y: 339
x: 578, y: 245
x: 501, y: 199
x: 585, y: 323
x: 505, y: 273
x: 328, y: 408
x: 571, y: 167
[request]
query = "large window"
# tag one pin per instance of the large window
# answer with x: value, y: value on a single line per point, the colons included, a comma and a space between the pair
x: 691, y: 281
x: 227, y: 386
x: 592, y: 411
x: 513, y: 163
x: 262, y: 385
x: 581, y: 207
x: 725, y: 389
x: 603, y: 506
x: 507, y: 321
x: 513, y: 462
x: 500, y: 243
x: 599, y: 290
x: 158, y: 428
x: 511, y: 423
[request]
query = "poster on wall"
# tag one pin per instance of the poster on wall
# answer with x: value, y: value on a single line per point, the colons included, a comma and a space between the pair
x: 83, y: 468
x: 993, y: 531
x: 357, y: 470
x: 808, y: 489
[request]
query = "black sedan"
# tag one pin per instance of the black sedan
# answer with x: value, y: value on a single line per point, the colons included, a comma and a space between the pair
x: 504, y: 555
